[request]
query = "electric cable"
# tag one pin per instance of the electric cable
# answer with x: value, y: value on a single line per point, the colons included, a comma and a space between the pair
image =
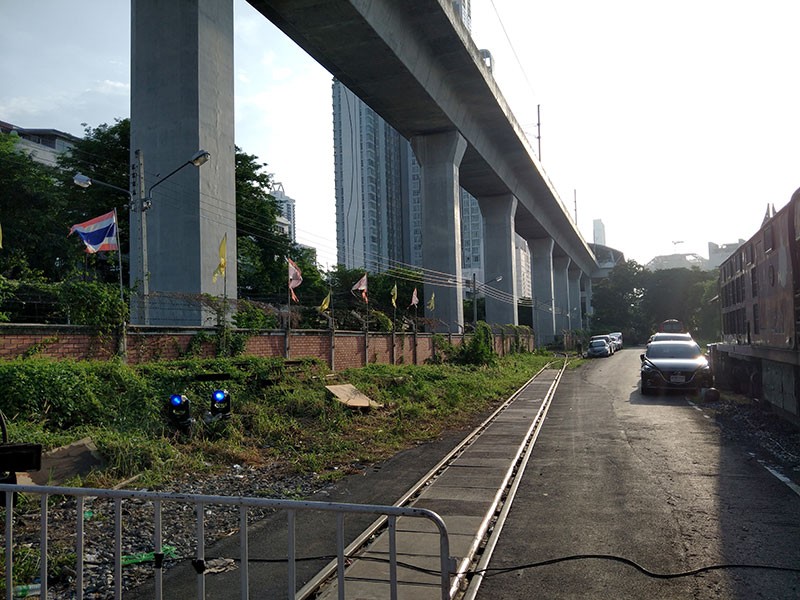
x: 497, y: 571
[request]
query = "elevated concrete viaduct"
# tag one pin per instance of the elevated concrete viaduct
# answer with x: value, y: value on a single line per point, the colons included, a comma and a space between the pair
x: 415, y: 64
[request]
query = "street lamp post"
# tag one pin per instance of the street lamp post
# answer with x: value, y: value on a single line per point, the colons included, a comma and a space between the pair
x: 198, y: 159
x: 145, y: 201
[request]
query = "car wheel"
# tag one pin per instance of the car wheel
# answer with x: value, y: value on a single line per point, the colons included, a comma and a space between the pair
x: 646, y: 391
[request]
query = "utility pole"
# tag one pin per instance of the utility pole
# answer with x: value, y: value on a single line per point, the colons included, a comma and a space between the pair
x: 575, y: 201
x: 144, y: 273
x: 539, y: 131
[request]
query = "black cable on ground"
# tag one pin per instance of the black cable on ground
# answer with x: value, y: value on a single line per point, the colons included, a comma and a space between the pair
x: 492, y: 572
x: 495, y: 571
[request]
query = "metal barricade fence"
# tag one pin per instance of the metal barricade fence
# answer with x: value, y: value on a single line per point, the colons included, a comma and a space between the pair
x: 200, y: 502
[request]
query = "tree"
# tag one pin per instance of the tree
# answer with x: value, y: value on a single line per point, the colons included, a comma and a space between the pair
x: 33, y: 216
x: 102, y: 154
x: 262, y: 249
x: 617, y: 300
x: 677, y: 294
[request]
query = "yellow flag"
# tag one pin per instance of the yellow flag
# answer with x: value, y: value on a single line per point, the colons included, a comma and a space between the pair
x: 432, y: 301
x: 394, y: 296
x: 223, y: 253
x: 325, y: 303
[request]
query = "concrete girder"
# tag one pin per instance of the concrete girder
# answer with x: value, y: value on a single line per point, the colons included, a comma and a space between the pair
x: 415, y: 64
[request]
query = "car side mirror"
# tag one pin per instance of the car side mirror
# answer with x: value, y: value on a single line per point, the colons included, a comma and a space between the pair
x: 641, y: 357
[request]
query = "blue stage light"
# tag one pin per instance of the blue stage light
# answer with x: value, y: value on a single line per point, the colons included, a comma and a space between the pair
x: 179, y: 411
x: 220, y: 404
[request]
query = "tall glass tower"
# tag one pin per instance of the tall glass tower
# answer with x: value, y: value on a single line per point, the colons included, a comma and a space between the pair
x: 378, y: 217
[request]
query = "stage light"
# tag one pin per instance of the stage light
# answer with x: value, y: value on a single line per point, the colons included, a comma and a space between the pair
x: 179, y: 411
x: 220, y: 404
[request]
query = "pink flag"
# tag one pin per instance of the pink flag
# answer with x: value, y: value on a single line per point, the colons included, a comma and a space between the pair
x: 295, y: 278
x: 361, y: 285
x: 414, y: 299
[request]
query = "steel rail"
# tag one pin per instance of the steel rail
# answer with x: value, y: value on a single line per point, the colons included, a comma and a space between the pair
x: 491, y: 543
x: 328, y: 572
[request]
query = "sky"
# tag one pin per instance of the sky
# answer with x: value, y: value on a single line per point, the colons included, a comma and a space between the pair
x: 676, y: 124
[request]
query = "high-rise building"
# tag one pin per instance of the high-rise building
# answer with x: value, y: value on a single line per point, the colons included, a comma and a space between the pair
x: 378, y: 210
x: 373, y: 172
x: 599, y: 232
x: 287, y: 207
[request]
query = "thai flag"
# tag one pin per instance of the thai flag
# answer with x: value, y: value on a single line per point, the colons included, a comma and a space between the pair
x: 99, y: 234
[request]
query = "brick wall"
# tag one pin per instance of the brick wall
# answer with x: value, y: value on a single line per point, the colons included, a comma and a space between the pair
x: 162, y: 343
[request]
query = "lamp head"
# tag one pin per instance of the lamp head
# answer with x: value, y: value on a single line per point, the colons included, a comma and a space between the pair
x: 220, y: 404
x: 200, y: 158
x: 82, y: 180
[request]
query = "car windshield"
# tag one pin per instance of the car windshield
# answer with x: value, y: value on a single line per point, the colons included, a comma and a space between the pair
x: 666, y: 350
x: 596, y: 343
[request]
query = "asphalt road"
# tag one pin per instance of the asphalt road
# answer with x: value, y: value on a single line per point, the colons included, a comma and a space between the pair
x: 651, y: 480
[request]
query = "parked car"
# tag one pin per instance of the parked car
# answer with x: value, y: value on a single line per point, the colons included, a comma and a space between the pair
x: 674, y: 337
x: 617, y: 337
x: 598, y: 349
x: 675, y: 365
x: 606, y: 338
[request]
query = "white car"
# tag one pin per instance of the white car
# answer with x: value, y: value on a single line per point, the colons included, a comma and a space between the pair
x: 607, y: 339
x: 616, y: 336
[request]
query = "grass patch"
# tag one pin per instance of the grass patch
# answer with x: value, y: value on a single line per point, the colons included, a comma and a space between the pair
x: 276, y: 417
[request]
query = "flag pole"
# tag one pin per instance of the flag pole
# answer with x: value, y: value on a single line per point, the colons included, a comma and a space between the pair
x: 394, y: 328
x: 119, y: 255
x: 288, y: 313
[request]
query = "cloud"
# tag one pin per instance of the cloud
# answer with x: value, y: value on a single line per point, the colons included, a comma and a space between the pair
x: 113, y: 87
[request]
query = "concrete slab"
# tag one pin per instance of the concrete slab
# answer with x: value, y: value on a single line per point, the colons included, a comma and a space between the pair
x: 461, y: 494
x: 368, y: 590
x: 456, y: 525
x: 469, y: 461
x: 467, y: 478
x: 443, y: 507
x: 417, y: 570
x: 415, y: 543
x: 348, y: 395
x: 65, y: 463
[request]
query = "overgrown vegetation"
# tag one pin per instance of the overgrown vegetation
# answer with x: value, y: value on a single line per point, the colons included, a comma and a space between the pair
x: 281, y: 412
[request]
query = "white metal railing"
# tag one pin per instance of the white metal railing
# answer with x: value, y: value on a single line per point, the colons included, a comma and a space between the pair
x: 200, y: 502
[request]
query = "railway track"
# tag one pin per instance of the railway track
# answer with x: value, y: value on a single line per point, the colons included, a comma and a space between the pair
x: 472, y: 487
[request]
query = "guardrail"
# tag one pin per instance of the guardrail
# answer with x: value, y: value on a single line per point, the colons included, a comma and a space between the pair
x: 200, y: 504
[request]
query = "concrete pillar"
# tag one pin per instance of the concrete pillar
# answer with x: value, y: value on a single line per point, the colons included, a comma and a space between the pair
x: 439, y: 156
x: 575, y: 315
x: 544, y: 323
x: 587, y: 300
x: 182, y: 101
x: 561, y: 292
x: 499, y: 256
